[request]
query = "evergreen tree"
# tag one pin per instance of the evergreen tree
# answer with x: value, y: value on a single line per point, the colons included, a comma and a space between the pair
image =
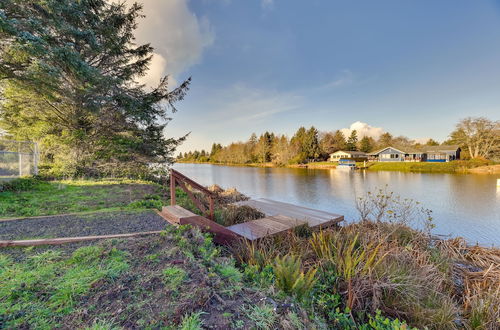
x: 67, y: 71
x: 352, y: 141
x: 339, y: 142
x: 366, y: 144
x: 311, y: 143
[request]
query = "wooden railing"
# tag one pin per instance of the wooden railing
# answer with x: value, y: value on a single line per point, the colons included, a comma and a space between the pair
x: 182, y: 181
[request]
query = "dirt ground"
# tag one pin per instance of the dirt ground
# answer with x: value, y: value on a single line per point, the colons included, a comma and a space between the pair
x: 99, y: 223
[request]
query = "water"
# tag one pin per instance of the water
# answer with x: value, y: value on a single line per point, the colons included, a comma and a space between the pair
x: 466, y: 205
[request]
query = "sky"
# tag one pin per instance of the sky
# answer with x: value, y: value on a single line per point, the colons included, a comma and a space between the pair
x: 412, y: 68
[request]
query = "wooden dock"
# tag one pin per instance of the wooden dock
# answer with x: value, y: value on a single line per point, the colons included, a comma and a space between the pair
x: 279, y: 216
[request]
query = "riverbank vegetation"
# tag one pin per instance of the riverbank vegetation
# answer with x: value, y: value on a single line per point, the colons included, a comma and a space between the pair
x: 479, y: 139
x: 456, y: 166
x: 376, y: 273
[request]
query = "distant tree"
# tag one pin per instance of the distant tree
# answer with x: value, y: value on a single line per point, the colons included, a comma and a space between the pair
x: 366, y: 144
x: 252, y: 144
x: 352, y: 141
x: 282, y: 152
x: 479, y: 136
x: 339, y: 141
x: 216, y: 147
x: 385, y: 140
x: 263, y: 147
x: 431, y: 142
x: 298, y: 143
x: 327, y: 144
x: 402, y: 142
x: 311, y: 143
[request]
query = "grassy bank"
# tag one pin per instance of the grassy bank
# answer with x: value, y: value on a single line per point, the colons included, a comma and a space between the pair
x: 33, y: 197
x: 459, y: 166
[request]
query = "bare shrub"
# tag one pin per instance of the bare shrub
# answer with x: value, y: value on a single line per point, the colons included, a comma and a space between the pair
x: 385, y: 206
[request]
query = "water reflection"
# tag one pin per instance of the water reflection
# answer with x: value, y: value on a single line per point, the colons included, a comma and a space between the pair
x: 465, y: 205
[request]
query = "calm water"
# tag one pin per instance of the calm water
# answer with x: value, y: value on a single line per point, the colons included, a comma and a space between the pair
x: 465, y: 205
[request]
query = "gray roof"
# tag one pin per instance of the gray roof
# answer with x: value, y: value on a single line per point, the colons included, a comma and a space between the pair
x: 442, y: 148
x: 425, y: 149
x: 405, y: 151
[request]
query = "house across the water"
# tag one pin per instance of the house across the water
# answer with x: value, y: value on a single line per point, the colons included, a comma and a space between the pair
x: 353, y: 155
x: 444, y: 153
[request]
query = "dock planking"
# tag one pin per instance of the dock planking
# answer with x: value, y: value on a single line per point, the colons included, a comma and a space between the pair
x: 268, y: 226
x: 314, y: 218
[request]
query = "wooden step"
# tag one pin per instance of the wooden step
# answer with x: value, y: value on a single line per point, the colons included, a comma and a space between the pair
x: 268, y: 226
x: 175, y: 214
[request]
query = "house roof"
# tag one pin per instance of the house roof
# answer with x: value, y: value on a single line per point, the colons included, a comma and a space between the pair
x: 352, y: 153
x: 442, y: 148
x: 405, y: 151
x: 376, y: 152
x: 426, y: 149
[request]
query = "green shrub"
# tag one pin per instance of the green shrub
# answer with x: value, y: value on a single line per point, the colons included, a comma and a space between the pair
x: 22, y: 184
x: 291, y: 279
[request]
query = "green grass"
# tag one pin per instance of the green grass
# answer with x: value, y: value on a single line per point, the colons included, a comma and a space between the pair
x: 35, y: 197
x: 37, y: 292
x: 457, y: 166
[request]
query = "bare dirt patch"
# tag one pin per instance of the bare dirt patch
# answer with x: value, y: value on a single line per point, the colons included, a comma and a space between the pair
x: 101, y: 223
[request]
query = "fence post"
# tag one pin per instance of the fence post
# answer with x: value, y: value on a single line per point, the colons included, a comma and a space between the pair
x: 20, y: 159
x: 172, y: 188
x: 35, y: 158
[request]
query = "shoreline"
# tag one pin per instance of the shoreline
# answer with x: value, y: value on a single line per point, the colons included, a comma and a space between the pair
x: 378, y: 166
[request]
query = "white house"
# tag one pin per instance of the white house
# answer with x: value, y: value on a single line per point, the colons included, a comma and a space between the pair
x: 355, y: 155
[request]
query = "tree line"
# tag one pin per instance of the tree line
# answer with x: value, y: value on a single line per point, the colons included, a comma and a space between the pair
x: 478, y: 138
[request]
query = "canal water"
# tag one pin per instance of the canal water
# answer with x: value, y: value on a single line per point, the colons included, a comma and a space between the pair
x: 466, y: 205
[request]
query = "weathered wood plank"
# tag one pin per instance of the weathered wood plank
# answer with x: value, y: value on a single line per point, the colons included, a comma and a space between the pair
x: 62, y: 240
x: 174, y: 213
x: 313, y: 217
x: 268, y: 226
x: 193, y: 198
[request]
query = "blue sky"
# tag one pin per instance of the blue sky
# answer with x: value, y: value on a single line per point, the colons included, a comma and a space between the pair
x: 413, y: 68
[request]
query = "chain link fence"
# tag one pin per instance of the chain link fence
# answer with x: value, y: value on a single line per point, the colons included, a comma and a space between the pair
x: 18, y: 158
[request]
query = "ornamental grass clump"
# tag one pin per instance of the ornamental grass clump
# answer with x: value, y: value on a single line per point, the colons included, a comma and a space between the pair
x: 291, y: 278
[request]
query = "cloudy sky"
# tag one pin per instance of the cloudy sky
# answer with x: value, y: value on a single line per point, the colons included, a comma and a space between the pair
x: 412, y: 68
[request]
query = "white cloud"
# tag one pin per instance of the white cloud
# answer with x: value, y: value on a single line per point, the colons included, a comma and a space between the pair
x: 363, y: 129
x: 177, y: 34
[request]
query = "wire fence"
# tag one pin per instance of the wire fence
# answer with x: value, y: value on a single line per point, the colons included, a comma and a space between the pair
x: 18, y: 158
